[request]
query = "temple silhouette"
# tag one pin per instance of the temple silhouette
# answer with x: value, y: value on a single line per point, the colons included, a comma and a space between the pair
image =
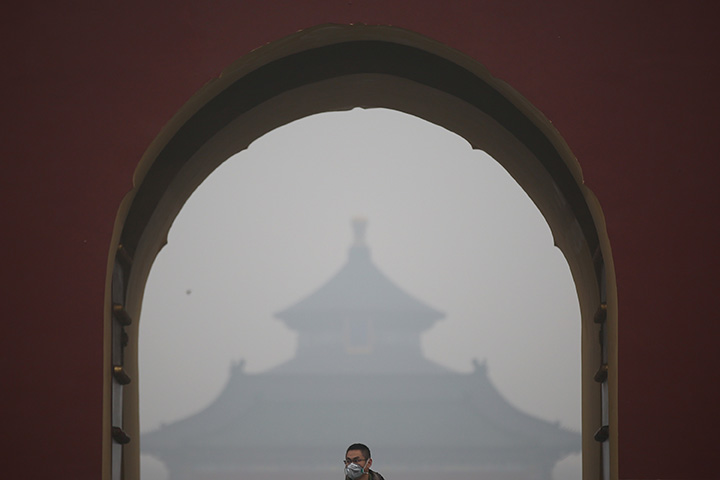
x: 359, y: 375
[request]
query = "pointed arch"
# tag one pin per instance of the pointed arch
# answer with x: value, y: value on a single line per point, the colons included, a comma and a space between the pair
x: 334, y: 68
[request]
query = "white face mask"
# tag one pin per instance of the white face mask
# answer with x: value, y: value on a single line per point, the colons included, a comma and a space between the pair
x: 354, y: 471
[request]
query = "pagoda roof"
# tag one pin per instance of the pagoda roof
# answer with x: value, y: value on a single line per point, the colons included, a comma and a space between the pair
x: 359, y: 287
x: 458, y: 416
x: 392, y: 398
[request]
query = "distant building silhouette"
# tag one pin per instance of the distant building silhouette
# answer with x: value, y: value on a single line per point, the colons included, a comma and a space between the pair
x: 359, y: 375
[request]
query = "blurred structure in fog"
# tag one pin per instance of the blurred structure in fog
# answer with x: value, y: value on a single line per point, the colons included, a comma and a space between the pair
x: 447, y: 223
x: 359, y: 375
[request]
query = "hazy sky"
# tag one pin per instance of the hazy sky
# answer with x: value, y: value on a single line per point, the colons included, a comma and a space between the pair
x: 445, y: 222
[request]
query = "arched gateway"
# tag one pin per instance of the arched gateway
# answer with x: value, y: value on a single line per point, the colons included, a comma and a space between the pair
x: 334, y: 68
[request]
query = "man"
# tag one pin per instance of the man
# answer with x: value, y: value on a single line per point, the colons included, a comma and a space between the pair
x: 358, y: 462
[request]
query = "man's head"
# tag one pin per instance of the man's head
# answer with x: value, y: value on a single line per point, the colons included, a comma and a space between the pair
x: 358, y: 454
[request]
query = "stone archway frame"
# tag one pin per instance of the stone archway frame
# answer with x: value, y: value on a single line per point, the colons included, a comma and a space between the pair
x: 336, y: 68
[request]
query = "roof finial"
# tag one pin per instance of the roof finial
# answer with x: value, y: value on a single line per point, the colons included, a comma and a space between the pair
x: 359, y: 224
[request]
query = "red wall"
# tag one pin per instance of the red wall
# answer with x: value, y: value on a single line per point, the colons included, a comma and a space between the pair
x: 632, y: 87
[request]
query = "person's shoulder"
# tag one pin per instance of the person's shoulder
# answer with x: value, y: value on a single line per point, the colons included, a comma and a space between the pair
x: 376, y: 475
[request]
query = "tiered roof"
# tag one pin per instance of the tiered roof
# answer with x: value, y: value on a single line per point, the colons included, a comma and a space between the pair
x: 299, y: 416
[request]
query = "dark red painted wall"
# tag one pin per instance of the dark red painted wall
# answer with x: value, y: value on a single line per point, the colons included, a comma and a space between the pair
x: 632, y: 87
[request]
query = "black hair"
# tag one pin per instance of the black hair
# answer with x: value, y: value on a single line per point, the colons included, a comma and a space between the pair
x: 359, y: 446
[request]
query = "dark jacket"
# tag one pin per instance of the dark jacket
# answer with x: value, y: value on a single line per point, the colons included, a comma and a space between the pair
x: 375, y: 476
